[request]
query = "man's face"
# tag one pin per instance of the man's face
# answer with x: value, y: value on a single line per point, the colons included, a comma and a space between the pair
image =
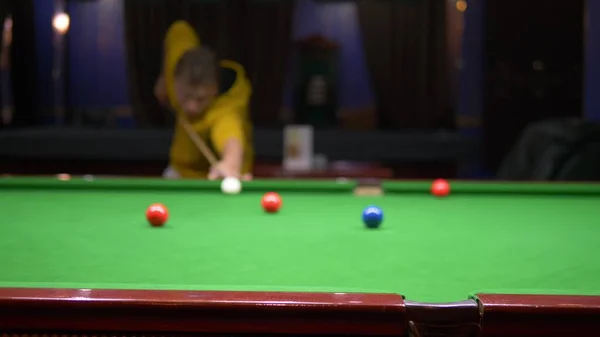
x: 194, y: 100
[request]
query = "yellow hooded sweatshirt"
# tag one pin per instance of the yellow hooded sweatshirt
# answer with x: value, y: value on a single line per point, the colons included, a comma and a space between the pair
x: 226, y: 118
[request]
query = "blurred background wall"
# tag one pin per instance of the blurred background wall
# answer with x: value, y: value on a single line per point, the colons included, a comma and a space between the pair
x: 482, y: 70
x: 96, y: 57
x: 97, y: 62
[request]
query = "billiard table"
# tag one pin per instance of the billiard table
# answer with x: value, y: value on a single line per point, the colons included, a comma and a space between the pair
x: 78, y: 258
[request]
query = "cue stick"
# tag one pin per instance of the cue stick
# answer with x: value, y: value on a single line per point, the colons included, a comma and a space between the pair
x: 199, y: 142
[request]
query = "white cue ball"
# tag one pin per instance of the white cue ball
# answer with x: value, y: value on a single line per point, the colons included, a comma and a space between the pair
x: 231, y: 185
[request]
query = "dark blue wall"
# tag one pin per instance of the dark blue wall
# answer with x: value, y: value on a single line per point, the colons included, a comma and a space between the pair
x: 471, y: 81
x: 96, y: 51
x: 470, y: 102
x: 592, y: 61
x: 44, y: 11
x: 98, y: 69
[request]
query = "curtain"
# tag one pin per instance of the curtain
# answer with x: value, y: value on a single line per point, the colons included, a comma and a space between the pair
x: 256, y: 34
x: 146, y: 23
x: 405, y: 47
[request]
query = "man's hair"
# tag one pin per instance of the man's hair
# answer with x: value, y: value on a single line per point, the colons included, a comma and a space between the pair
x: 197, y: 66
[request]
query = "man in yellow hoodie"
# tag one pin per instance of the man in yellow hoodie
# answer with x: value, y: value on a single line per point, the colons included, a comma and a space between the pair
x: 213, y: 96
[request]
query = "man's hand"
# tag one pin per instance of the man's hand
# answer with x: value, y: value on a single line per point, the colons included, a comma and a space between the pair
x: 231, y: 161
x: 160, y: 91
x: 223, y: 170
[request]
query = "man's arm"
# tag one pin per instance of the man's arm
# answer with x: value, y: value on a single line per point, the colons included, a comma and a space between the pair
x: 181, y: 35
x: 160, y: 91
x: 160, y: 87
x: 233, y: 155
x: 6, y: 43
x: 227, y: 137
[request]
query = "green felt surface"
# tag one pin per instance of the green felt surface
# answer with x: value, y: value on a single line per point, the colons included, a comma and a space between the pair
x: 81, y: 234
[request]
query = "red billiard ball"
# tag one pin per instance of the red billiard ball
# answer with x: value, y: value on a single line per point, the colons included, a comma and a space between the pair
x: 271, y: 202
x: 440, y: 188
x: 157, y: 214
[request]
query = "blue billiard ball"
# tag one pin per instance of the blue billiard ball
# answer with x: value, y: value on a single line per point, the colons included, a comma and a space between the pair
x: 372, y: 216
